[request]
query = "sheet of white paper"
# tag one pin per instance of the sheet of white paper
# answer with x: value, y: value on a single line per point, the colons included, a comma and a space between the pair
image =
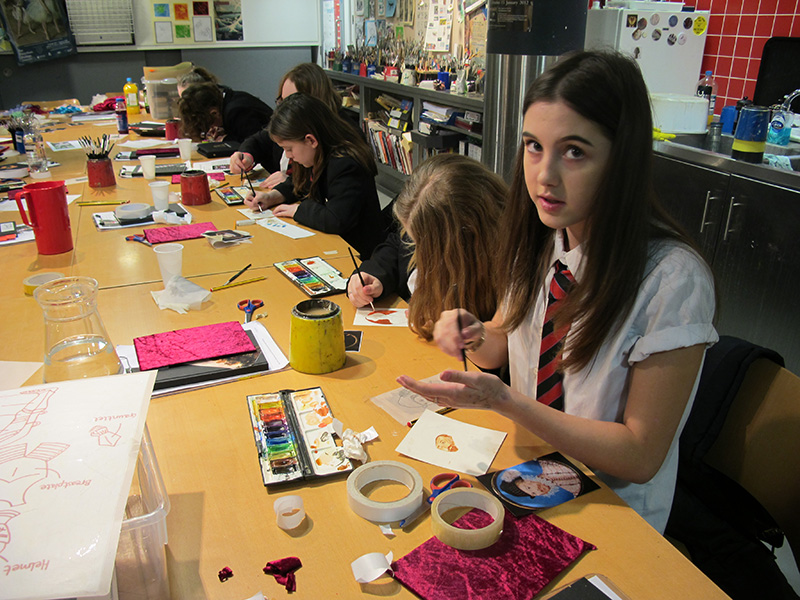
x: 213, y: 166
x: 66, y: 145
x: 11, y: 205
x: 381, y: 317
x: 276, y: 359
x: 451, y: 444
x: 26, y: 235
x: 141, y: 144
x: 14, y: 374
x: 279, y: 226
x: 69, y: 452
x: 404, y: 405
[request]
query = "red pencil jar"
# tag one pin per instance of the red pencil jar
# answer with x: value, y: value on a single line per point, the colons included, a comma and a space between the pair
x: 100, y: 172
x: 172, y: 129
x: 194, y: 188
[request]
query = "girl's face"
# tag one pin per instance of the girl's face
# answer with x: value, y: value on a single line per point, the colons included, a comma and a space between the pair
x: 300, y: 151
x: 565, y: 157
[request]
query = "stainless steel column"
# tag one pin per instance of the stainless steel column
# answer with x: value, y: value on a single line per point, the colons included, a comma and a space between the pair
x: 524, y: 38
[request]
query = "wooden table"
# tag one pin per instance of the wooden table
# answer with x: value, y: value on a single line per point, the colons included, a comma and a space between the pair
x: 221, y: 514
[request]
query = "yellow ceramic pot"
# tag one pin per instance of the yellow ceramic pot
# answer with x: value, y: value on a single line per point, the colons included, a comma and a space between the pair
x: 317, y: 337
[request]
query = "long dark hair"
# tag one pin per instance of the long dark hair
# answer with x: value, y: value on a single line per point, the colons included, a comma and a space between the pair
x: 606, y: 88
x: 450, y: 207
x: 300, y: 115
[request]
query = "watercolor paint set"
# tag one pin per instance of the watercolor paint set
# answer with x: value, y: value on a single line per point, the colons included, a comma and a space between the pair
x: 294, y: 435
x: 314, y: 276
x: 232, y: 195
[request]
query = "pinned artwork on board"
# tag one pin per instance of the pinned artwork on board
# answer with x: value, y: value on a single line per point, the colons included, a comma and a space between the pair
x: 181, y: 12
x: 203, y: 31
x: 228, y: 20
x: 37, y: 30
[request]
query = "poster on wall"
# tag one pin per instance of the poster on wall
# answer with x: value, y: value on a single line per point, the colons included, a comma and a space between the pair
x: 440, y: 25
x: 228, y: 20
x: 37, y: 30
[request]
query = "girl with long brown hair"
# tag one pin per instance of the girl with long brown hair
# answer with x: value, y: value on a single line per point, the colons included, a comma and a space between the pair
x: 332, y: 188
x: 607, y: 308
x: 447, y: 211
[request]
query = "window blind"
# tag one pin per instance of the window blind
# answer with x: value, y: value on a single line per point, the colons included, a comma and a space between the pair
x: 101, y: 22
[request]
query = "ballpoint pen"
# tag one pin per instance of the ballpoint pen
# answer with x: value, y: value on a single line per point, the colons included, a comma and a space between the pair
x: 360, y: 278
x: 237, y: 274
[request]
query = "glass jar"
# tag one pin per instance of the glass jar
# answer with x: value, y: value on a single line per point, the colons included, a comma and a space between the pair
x: 76, y: 343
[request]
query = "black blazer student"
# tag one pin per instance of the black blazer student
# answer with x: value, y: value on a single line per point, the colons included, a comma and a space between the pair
x: 332, y: 188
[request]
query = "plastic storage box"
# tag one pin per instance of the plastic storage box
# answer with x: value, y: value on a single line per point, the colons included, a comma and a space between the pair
x: 141, y: 563
x: 162, y: 98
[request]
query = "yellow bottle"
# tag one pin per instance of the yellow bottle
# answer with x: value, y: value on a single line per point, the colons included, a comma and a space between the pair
x: 131, y: 97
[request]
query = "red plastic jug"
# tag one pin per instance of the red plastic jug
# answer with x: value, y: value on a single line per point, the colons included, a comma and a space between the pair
x: 48, y: 215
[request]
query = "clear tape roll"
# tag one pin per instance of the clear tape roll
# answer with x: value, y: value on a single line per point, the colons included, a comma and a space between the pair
x: 133, y: 211
x: 289, y: 511
x: 384, y: 470
x: 31, y: 283
x: 467, y: 539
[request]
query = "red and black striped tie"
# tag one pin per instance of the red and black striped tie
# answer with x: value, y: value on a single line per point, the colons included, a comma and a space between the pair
x: 549, y: 388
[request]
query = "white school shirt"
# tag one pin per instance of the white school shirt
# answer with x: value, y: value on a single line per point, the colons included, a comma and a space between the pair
x: 674, y: 309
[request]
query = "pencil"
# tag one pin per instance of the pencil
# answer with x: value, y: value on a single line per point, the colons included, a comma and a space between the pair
x: 235, y: 283
x: 101, y: 202
x: 441, y: 411
x: 237, y: 274
x: 460, y: 327
x: 358, y: 272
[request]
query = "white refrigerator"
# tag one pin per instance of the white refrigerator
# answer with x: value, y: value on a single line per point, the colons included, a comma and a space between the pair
x: 667, y: 42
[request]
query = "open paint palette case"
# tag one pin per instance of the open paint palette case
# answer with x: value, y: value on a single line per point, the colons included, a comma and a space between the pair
x: 314, y: 276
x: 294, y: 436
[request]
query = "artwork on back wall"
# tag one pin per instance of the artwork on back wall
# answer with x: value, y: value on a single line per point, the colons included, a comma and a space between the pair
x: 37, y: 29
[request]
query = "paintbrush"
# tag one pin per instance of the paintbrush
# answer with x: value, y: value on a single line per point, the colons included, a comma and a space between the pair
x: 360, y: 278
x: 460, y: 328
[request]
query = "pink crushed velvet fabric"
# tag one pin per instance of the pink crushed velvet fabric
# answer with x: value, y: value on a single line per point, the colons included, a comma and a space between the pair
x: 188, y: 345
x: 283, y: 570
x: 529, y: 554
x: 176, y: 233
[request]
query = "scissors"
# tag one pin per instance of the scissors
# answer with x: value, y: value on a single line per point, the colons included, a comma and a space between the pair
x: 249, y: 307
x: 446, y: 481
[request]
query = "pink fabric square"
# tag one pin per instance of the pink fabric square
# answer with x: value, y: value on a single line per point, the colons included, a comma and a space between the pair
x: 176, y: 233
x: 529, y: 554
x: 187, y: 345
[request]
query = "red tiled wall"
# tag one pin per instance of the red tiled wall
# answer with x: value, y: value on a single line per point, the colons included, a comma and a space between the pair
x: 737, y: 32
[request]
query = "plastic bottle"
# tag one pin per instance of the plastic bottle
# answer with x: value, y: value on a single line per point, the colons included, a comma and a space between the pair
x: 122, y: 116
x: 37, y: 158
x: 131, y: 97
x: 707, y: 88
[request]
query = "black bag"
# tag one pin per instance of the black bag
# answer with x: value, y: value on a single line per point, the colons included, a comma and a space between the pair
x: 722, y: 525
x: 217, y: 149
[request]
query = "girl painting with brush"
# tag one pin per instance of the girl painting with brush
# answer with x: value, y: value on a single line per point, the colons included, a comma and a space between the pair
x: 332, y: 188
x: 447, y: 210
x: 632, y: 301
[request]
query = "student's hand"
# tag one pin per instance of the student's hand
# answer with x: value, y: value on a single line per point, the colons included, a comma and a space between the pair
x: 361, y: 295
x: 285, y: 210
x: 241, y: 162
x: 262, y: 200
x: 274, y: 179
x: 452, y: 340
x: 461, y: 389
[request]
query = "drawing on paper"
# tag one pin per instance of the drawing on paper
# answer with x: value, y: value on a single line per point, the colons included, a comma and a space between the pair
x: 445, y: 443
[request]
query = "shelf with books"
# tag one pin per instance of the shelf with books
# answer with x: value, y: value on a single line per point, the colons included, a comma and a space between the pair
x: 415, y: 101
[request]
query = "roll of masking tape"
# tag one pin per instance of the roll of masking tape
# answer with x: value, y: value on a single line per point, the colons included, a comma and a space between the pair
x: 289, y: 511
x: 132, y: 211
x: 467, y: 539
x: 31, y: 283
x: 384, y: 470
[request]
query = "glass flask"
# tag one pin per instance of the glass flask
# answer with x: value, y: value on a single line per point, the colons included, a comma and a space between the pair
x: 76, y: 343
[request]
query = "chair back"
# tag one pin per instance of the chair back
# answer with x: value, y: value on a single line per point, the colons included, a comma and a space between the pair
x: 759, y: 444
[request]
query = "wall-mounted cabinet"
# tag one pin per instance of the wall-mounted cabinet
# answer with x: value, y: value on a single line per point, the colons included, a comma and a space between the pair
x: 391, y: 176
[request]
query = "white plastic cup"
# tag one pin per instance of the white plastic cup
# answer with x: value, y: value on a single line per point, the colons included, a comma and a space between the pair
x: 148, y: 163
x: 160, y: 191
x: 185, y: 148
x: 170, y: 261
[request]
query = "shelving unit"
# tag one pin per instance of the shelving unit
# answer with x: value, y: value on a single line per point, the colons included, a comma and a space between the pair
x: 390, y: 179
